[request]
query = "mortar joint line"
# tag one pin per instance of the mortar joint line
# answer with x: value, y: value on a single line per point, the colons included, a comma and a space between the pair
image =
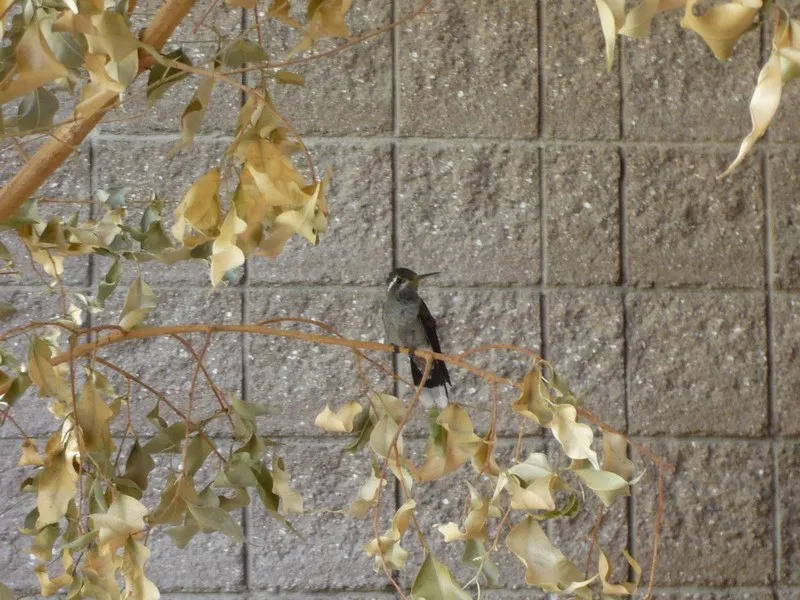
x: 623, y: 280
x: 769, y: 285
x: 395, y: 195
x: 244, y: 286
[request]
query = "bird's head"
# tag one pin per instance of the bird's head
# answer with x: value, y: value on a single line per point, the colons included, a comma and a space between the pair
x: 403, y: 278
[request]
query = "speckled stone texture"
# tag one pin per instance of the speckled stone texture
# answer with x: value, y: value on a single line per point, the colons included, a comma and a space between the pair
x: 467, y: 70
x: 729, y: 510
x: 686, y: 228
x: 479, y: 202
x: 569, y: 210
x: 697, y: 364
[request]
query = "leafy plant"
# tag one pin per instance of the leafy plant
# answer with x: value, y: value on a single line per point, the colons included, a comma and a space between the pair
x: 91, y: 518
x: 89, y: 487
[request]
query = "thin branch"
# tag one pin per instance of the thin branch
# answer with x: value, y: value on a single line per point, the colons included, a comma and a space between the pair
x: 336, y: 49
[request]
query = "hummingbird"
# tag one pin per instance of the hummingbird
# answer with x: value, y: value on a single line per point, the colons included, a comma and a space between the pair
x: 408, y: 322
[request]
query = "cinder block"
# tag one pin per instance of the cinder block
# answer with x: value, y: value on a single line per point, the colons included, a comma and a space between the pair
x: 346, y: 93
x: 586, y: 345
x: 698, y: 364
x: 321, y: 596
x: 733, y: 594
x: 145, y: 167
x: 575, y: 71
x: 329, y: 479
x: 783, y: 181
x: 718, y: 502
x: 685, y: 227
x: 357, y: 248
x: 786, y: 319
x: 788, y: 486
x: 296, y: 379
x: 470, y: 70
x: 672, y: 82
x: 582, y: 212
x: 470, y: 211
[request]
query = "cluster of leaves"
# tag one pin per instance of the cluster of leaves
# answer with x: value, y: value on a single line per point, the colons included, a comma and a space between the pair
x: 89, y: 501
x: 93, y: 486
x: 527, y: 492
x: 721, y: 26
x: 251, y: 207
x: 93, y: 513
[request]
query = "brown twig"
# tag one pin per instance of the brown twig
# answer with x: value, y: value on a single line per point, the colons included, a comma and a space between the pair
x: 601, y: 511
x: 223, y: 405
x: 161, y: 397
x: 656, y: 535
x: 336, y: 49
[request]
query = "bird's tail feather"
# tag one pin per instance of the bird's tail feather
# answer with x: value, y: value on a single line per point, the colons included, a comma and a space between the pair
x: 435, y: 390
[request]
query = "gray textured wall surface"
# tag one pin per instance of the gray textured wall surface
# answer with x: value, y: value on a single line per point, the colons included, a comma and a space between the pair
x: 570, y: 210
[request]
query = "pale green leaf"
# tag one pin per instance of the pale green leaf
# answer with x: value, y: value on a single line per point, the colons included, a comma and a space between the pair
x: 161, y: 78
x: 212, y: 518
x: 139, y: 301
x: 241, y: 52
x: 545, y: 566
x: 608, y: 486
x: 575, y: 438
x: 36, y: 111
x: 435, y: 582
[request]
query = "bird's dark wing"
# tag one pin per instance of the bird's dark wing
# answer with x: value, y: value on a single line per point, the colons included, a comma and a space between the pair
x: 429, y: 324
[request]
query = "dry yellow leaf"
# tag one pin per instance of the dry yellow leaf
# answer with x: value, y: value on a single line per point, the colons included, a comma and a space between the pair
x: 96, y: 94
x: 30, y: 455
x: 763, y: 106
x: 627, y: 588
x: 787, y: 40
x: 93, y: 417
x: 340, y: 421
x: 389, y: 544
x: 195, y: 112
x: 35, y: 65
x: 722, y: 25
x: 226, y: 255
x: 575, y: 438
x: 545, y: 566
x: 137, y: 585
x: 42, y: 373
x: 199, y: 208
x: 58, y: 479
x: 50, y: 586
x: 125, y: 517
x: 612, y: 17
x: 615, y: 457
x: 367, y: 495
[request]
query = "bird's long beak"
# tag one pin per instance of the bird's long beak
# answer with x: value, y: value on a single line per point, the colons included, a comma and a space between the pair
x: 424, y: 275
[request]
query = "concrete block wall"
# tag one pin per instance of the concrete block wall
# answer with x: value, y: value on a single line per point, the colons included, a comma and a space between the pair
x: 570, y: 210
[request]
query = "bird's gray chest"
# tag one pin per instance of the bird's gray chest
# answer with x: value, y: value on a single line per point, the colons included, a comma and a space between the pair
x: 402, y: 325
